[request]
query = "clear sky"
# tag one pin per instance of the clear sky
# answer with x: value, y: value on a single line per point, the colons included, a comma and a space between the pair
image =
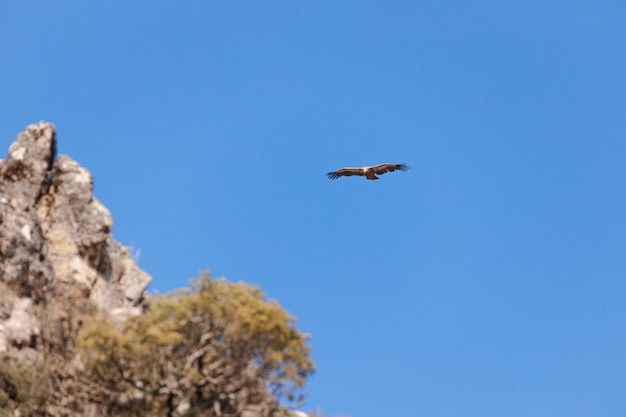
x: 489, y: 280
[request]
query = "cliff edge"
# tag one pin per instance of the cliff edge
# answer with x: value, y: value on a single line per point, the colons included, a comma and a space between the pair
x: 79, y: 336
x: 55, y: 239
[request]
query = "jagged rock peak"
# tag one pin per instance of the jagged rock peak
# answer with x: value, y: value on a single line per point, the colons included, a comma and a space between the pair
x: 55, y: 237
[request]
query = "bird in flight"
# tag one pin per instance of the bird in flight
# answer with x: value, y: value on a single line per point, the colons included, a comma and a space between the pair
x: 367, y: 172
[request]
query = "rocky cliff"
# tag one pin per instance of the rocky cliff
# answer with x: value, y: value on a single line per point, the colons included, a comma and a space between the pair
x: 78, y: 335
x: 55, y: 239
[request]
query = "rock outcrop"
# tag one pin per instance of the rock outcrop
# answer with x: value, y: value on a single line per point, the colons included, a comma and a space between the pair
x: 55, y: 238
x: 62, y: 273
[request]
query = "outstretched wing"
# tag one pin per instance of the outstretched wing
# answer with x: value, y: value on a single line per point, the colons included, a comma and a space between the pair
x: 344, y: 172
x: 383, y: 168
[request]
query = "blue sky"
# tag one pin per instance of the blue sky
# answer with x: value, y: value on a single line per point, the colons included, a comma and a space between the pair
x: 488, y: 280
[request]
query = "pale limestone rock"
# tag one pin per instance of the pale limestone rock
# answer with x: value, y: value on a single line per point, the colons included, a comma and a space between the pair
x: 56, y: 236
x: 17, y: 154
x: 26, y: 231
x: 22, y: 326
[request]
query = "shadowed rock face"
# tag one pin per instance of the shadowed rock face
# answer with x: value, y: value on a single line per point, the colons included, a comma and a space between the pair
x: 55, y: 236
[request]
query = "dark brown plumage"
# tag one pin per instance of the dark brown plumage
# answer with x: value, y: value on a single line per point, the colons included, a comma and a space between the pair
x: 367, y: 172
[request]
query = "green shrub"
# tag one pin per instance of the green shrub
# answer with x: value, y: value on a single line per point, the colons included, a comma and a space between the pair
x: 24, y: 385
x: 217, y: 349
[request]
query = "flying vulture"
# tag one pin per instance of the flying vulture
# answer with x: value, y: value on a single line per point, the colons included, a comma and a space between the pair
x: 367, y: 172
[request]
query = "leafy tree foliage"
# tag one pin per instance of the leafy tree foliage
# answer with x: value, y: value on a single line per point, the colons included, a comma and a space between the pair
x: 217, y: 349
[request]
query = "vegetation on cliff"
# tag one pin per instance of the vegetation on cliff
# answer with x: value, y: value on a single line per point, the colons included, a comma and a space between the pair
x: 220, y: 347
x: 80, y: 337
x: 216, y: 349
